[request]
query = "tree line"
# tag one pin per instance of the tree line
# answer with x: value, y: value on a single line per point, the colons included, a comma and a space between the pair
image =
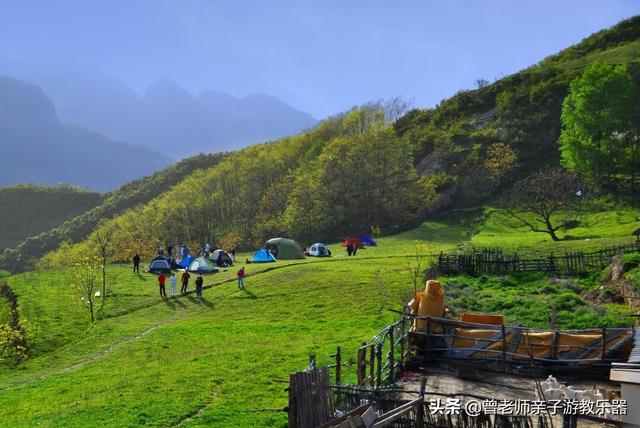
x: 348, y: 174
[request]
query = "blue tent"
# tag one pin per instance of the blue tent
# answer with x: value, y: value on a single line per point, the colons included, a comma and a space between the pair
x: 185, y: 262
x: 263, y: 256
x: 367, y: 240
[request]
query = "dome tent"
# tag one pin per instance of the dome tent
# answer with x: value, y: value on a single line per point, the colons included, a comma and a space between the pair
x: 221, y: 258
x: 263, y: 256
x: 318, y: 249
x: 202, y: 265
x: 367, y: 240
x: 159, y: 264
x: 185, y: 262
x: 285, y: 249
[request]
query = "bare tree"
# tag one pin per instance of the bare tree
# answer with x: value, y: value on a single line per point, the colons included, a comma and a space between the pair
x: 416, y: 264
x: 547, y: 201
x: 103, y: 239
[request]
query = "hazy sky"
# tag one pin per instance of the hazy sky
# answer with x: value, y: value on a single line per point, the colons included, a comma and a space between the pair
x: 320, y: 56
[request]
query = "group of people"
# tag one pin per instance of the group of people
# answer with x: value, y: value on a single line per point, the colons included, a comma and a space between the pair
x: 162, y: 278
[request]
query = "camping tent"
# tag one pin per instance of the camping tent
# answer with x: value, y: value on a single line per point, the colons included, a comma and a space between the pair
x: 221, y: 258
x: 202, y: 265
x: 186, y: 261
x: 285, y: 249
x: 159, y: 264
x: 367, y: 239
x: 263, y: 256
x: 319, y: 250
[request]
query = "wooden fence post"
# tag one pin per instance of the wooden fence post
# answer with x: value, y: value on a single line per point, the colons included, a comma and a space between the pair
x: 420, y: 409
x: 504, y: 347
x: 391, y: 357
x: 312, y: 361
x: 379, y: 368
x: 372, y: 362
x: 338, y: 374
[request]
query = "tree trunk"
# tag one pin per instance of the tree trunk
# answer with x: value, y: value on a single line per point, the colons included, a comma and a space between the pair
x: 551, y: 230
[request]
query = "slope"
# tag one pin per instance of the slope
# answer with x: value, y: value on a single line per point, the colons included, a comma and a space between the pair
x: 216, y: 361
x: 23, y: 256
x: 480, y: 141
x: 29, y: 210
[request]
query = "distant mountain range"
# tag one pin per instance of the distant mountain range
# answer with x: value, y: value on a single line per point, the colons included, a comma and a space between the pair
x: 85, y: 128
x: 37, y: 148
x: 166, y: 118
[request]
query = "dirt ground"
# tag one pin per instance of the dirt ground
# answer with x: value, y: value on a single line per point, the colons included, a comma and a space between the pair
x: 490, y: 386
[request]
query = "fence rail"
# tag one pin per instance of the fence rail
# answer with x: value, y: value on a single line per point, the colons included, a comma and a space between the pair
x: 497, y: 261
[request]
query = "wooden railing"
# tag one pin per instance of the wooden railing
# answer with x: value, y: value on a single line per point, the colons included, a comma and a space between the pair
x: 498, y: 261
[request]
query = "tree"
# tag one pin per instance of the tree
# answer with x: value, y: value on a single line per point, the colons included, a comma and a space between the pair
x: 599, y: 123
x: 500, y: 161
x: 481, y: 83
x: 547, y: 201
x: 87, y: 284
x: 103, y: 240
x: 416, y: 264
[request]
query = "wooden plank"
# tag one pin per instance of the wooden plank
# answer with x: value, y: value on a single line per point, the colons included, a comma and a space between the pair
x: 482, y: 344
x: 516, y: 335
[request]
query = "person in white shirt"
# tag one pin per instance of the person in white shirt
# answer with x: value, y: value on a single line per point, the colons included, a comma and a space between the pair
x: 172, y: 285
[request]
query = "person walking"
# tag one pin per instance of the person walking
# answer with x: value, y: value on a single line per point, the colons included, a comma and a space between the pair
x: 240, y: 274
x: 185, y: 281
x: 161, y: 281
x: 136, y: 263
x: 199, y: 282
x: 172, y: 285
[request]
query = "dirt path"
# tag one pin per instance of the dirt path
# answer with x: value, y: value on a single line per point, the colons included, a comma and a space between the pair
x: 83, y: 362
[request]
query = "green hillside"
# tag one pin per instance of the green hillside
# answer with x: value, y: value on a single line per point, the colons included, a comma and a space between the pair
x: 425, y: 183
x: 362, y: 170
x: 29, y: 210
x: 34, y: 244
x: 217, y: 361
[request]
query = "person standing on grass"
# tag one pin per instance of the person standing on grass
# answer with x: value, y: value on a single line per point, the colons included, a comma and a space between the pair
x: 185, y: 281
x: 161, y: 280
x: 136, y: 263
x: 199, y: 282
x: 240, y: 274
x: 172, y: 285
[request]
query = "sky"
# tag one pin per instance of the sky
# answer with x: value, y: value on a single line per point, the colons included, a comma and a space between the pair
x: 322, y: 56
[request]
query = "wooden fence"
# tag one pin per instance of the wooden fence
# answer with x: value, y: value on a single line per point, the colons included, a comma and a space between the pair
x: 497, y: 261
x: 504, y: 349
x: 346, y: 383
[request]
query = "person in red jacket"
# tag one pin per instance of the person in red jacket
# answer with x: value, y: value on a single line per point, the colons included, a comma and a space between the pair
x: 240, y: 274
x: 161, y: 281
x: 185, y: 281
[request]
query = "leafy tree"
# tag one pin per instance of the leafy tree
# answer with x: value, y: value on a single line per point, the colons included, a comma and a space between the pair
x: 500, y: 161
x: 87, y: 283
x: 599, y: 122
x: 547, y: 201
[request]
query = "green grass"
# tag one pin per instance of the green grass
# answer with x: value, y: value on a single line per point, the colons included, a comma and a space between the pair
x: 212, y: 363
x: 596, y: 230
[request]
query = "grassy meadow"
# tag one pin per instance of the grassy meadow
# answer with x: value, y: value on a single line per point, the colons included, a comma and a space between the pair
x: 225, y: 360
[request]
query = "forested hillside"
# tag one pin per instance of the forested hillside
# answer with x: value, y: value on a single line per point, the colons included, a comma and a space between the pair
x: 481, y: 141
x: 367, y: 170
x: 29, y: 210
x: 23, y: 256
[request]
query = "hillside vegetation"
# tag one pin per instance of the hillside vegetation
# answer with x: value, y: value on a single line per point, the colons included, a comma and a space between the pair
x: 374, y: 167
x: 24, y: 255
x: 29, y: 210
x: 215, y: 361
